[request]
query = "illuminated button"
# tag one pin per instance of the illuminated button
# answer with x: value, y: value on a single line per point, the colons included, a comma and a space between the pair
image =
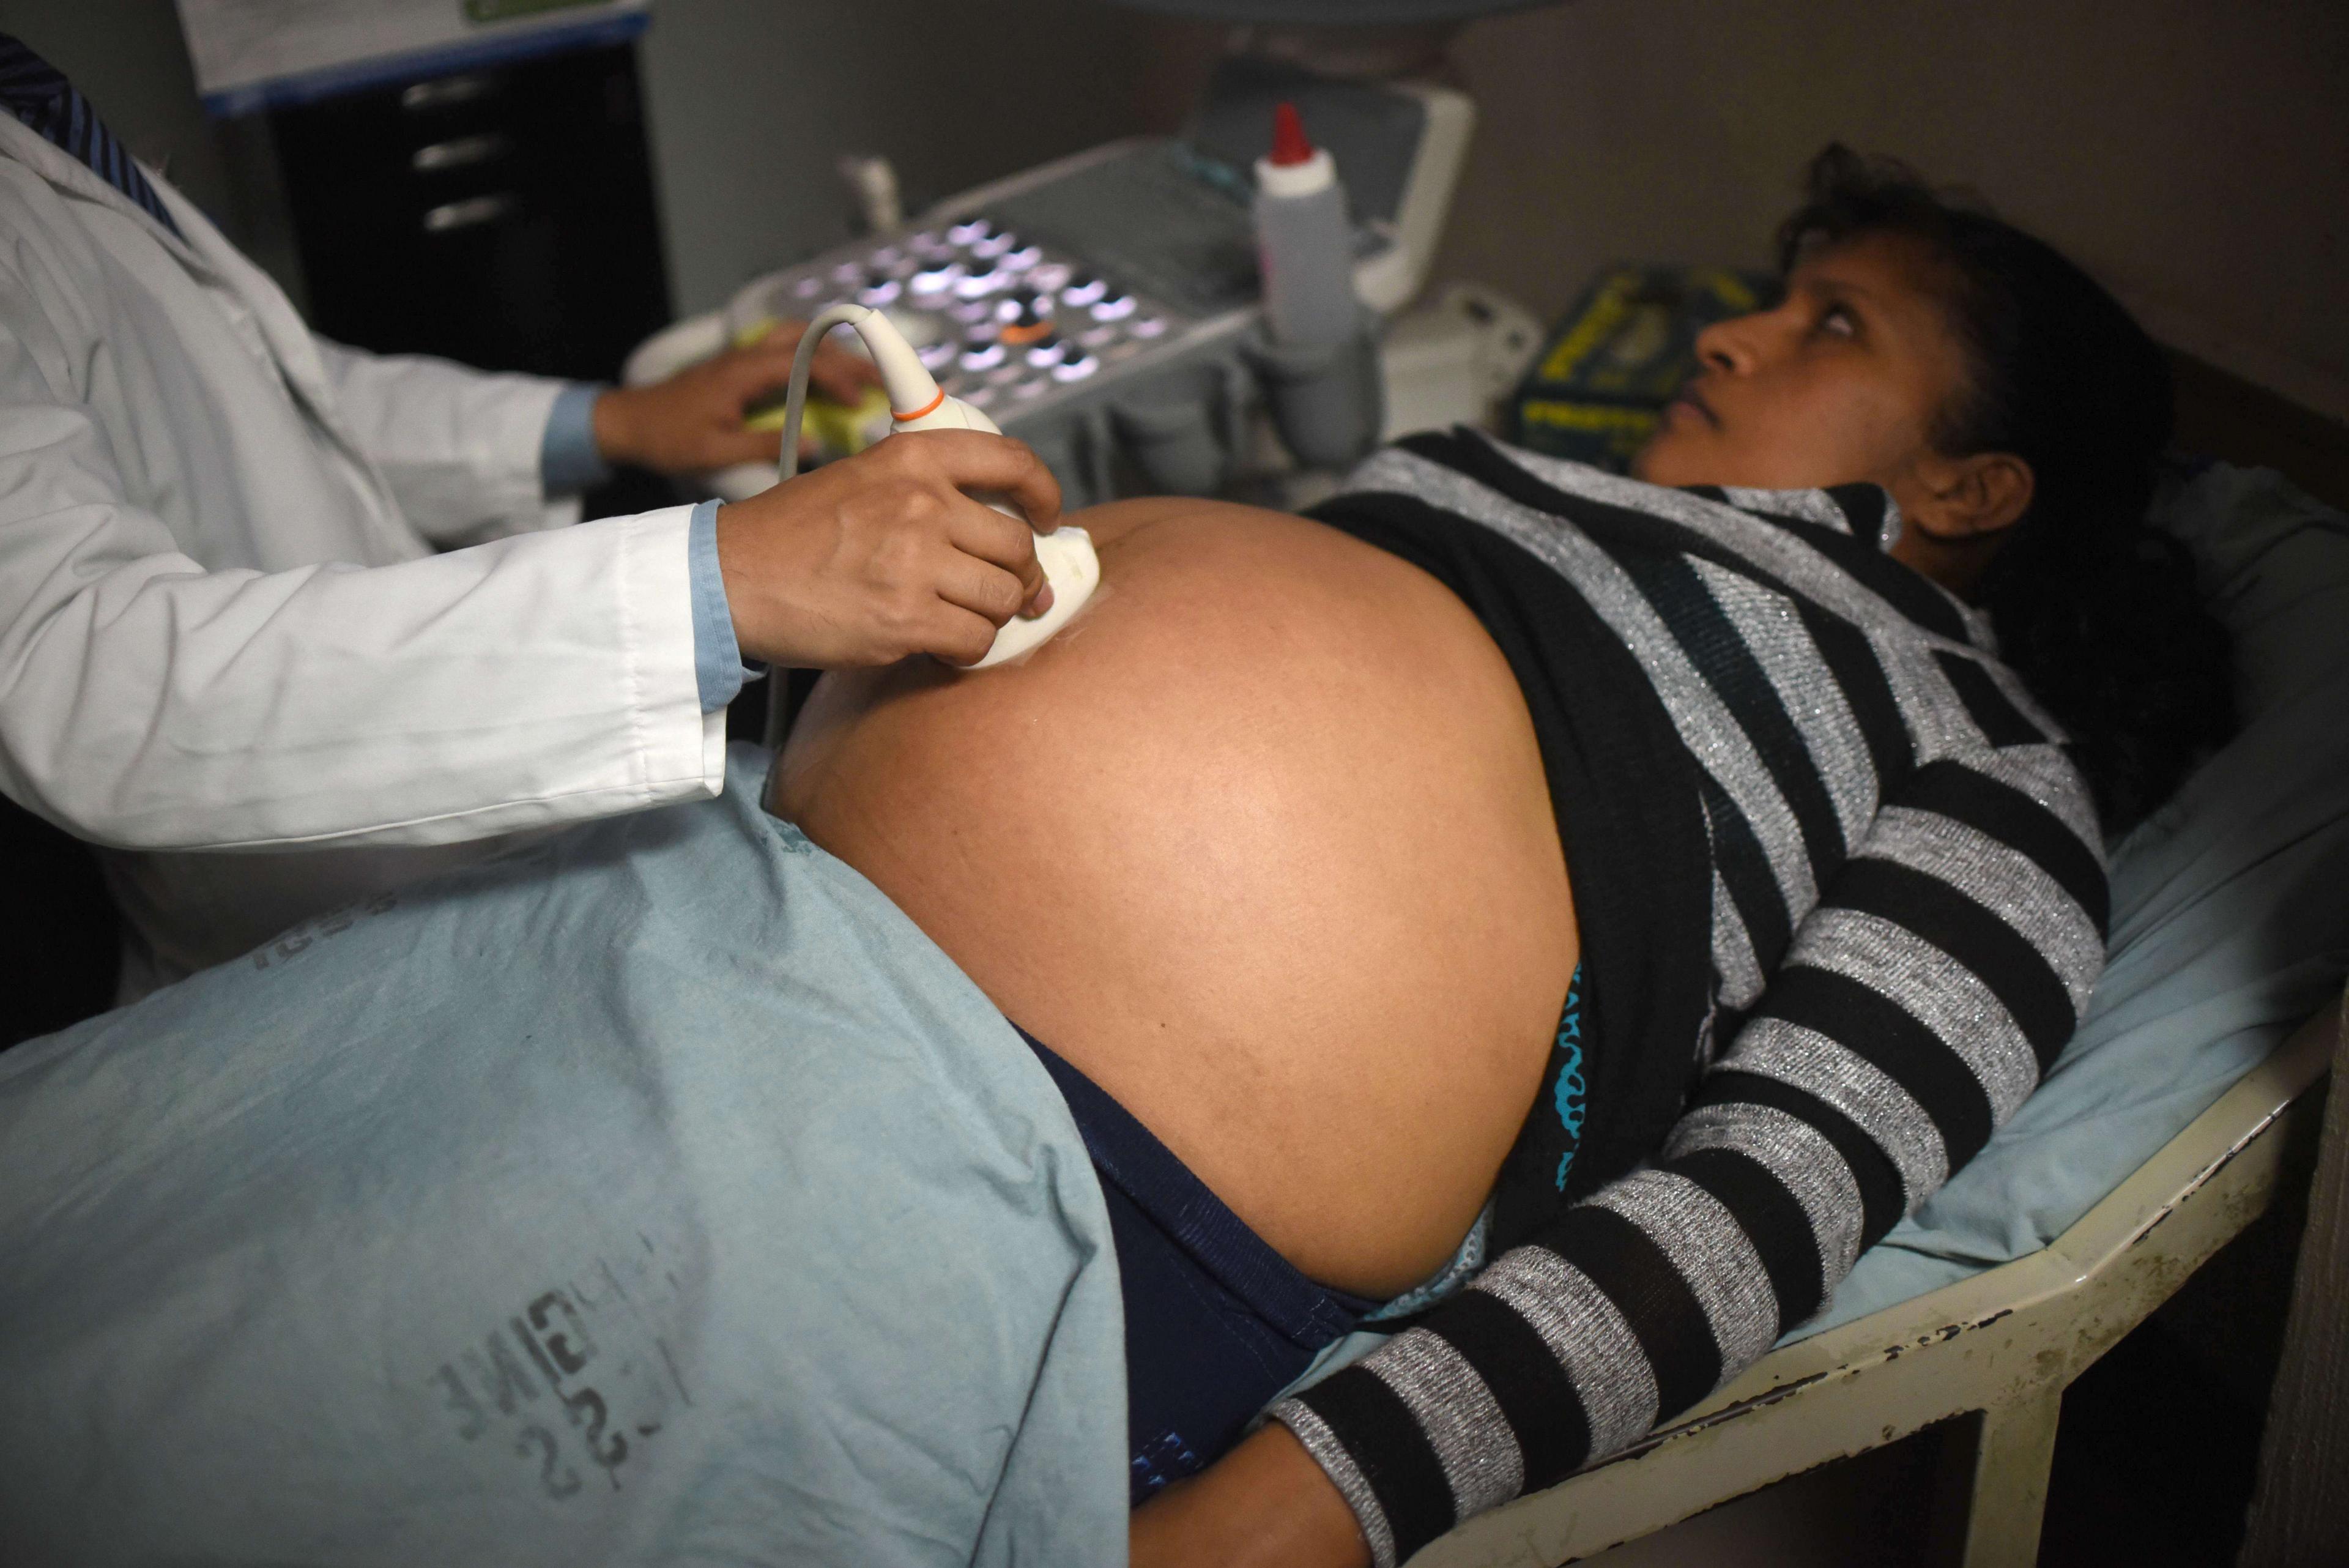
x: 1077, y: 368
x: 1116, y: 309
x: 877, y: 294
x: 937, y: 279
x: 1011, y: 307
x: 887, y: 256
x: 977, y: 397
x: 970, y: 231
x: 980, y: 285
x: 1148, y: 326
x: 1024, y: 258
x: 982, y: 357
x: 1085, y: 291
x: 937, y: 356
x: 1050, y: 277
x: 848, y: 273
x: 993, y: 246
x: 1028, y: 324
x: 971, y: 311
x: 1047, y: 352
x: 980, y: 332
x: 808, y: 288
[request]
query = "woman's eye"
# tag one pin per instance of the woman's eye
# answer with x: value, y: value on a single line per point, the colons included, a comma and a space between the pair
x: 1839, y: 320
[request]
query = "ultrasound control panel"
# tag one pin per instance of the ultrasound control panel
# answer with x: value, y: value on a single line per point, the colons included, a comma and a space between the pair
x: 1011, y: 317
x: 1085, y: 304
x: 1003, y: 322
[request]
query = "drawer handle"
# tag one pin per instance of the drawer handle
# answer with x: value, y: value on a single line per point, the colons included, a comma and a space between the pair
x: 443, y: 91
x: 458, y: 152
x: 468, y: 213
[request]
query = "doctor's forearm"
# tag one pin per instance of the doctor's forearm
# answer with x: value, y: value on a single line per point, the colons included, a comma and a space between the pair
x: 526, y: 684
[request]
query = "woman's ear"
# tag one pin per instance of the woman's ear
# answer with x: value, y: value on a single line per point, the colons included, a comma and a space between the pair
x: 1956, y: 511
x: 1963, y: 499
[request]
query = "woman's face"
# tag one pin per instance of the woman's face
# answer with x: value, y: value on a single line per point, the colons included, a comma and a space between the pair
x: 1843, y: 381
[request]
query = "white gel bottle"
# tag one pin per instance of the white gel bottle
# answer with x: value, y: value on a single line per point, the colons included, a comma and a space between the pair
x: 1303, y: 247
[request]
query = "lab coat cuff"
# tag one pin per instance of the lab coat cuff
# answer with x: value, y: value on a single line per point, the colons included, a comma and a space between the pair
x: 661, y: 615
x: 568, y: 461
x: 717, y: 666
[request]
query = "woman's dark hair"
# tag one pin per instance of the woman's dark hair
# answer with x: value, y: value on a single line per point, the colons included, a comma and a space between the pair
x: 2094, y: 609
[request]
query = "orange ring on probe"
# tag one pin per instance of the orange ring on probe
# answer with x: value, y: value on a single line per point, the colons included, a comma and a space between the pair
x: 927, y: 408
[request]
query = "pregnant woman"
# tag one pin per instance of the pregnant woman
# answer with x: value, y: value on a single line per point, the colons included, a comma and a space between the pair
x: 1679, y: 880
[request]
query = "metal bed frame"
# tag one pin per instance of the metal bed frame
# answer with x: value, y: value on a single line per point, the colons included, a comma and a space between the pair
x: 1998, y: 1348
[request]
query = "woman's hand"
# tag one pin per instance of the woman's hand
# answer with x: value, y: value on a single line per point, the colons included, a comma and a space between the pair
x: 884, y: 554
x: 693, y: 421
x: 1266, y: 1504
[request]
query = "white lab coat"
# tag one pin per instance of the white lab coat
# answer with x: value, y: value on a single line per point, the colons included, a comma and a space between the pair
x: 226, y: 623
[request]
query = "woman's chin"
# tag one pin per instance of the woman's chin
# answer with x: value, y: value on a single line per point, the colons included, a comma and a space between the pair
x: 1663, y: 460
x: 1687, y: 449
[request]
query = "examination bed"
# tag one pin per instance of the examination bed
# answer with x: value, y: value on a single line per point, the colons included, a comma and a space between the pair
x: 2158, y: 1134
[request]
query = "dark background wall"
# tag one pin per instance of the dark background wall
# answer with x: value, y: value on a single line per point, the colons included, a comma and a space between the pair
x: 2194, y: 153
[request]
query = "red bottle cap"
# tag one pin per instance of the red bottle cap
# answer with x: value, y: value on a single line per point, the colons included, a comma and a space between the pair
x: 1288, y: 141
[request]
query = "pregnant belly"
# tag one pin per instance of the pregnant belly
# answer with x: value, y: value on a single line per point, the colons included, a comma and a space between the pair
x: 1261, y: 844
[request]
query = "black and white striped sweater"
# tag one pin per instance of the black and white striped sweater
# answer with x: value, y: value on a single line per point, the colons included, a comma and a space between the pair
x: 1907, y: 912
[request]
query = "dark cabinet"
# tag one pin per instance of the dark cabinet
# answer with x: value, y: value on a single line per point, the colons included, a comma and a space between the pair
x: 502, y: 217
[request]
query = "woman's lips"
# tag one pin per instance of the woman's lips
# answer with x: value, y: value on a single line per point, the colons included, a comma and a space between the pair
x: 1689, y: 397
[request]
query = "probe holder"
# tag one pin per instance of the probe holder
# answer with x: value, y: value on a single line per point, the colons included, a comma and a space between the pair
x: 1171, y: 425
x: 1328, y: 399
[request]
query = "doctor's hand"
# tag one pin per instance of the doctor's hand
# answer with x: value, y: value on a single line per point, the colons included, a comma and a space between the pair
x: 882, y: 555
x: 693, y: 421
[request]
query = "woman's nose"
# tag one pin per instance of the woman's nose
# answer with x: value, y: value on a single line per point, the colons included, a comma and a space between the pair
x: 1728, y: 345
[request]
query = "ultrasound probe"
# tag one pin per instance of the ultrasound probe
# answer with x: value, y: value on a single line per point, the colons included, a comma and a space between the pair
x: 916, y: 402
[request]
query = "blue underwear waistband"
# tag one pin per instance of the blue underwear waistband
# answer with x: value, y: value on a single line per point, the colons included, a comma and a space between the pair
x: 1217, y: 1321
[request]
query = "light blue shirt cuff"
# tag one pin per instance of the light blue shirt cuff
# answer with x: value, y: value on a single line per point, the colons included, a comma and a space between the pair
x: 568, y: 461
x: 717, y: 666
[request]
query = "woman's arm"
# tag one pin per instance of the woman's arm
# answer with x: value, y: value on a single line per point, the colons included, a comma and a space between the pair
x: 1946, y: 964
x: 1266, y: 1504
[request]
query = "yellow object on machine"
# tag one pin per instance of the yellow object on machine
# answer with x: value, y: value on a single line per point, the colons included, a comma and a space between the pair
x: 1598, y: 390
x: 834, y: 429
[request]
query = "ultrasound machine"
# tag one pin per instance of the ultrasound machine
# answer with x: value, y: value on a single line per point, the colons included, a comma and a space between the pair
x: 1105, y: 307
